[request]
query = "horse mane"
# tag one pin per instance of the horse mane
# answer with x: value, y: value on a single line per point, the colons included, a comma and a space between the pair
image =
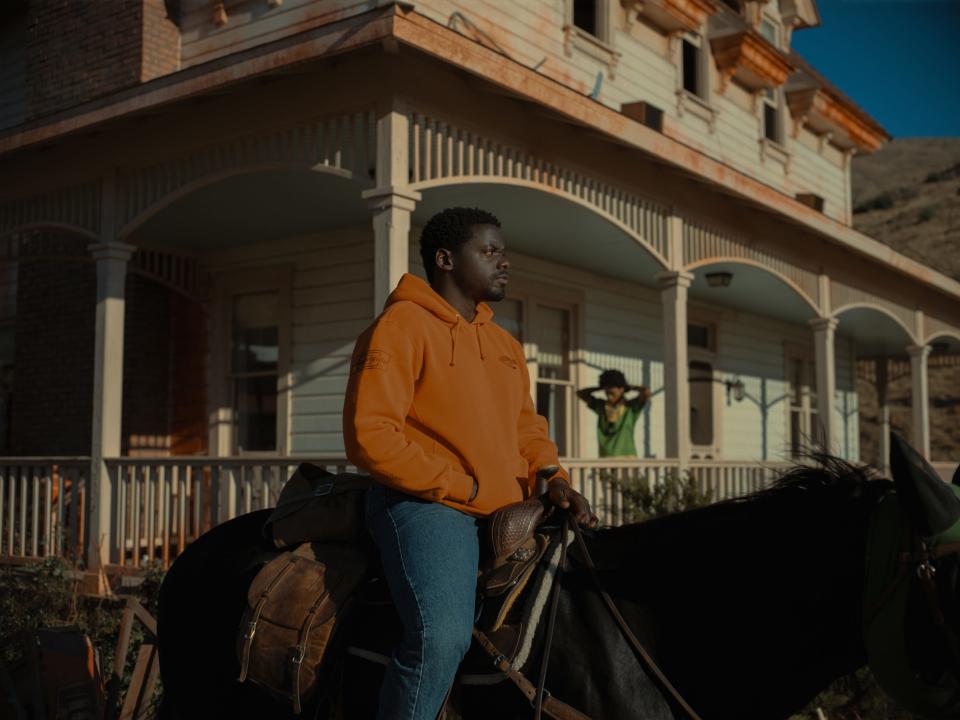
x: 818, y: 482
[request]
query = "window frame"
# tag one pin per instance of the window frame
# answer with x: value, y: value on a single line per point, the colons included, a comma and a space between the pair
x: 223, y: 433
x: 808, y: 411
x: 707, y: 355
x: 530, y: 294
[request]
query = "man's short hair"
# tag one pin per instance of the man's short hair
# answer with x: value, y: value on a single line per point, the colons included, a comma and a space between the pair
x: 612, y: 378
x: 450, y: 229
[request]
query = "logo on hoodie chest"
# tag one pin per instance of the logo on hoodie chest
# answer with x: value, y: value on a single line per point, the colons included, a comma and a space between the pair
x: 370, y: 360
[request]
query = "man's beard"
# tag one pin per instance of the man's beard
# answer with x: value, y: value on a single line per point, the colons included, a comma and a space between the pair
x: 496, y: 294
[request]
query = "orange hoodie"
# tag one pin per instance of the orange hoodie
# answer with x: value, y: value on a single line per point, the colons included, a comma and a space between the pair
x: 434, y: 401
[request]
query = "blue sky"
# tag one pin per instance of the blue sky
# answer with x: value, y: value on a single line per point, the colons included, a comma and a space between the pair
x: 898, y: 59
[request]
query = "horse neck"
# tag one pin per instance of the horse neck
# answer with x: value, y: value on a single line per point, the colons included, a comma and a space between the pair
x: 762, y: 593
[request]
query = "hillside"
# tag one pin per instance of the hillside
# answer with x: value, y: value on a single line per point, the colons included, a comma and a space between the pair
x: 908, y: 197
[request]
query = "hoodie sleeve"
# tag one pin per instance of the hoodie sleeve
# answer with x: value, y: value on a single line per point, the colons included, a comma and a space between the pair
x: 383, y: 370
x: 536, y: 447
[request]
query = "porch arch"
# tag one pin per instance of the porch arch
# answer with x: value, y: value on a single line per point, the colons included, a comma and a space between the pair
x: 873, y: 307
x: 722, y: 261
x: 129, y: 229
x: 656, y: 250
x: 342, y: 145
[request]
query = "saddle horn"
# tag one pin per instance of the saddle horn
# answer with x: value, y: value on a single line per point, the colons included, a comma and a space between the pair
x: 928, y: 499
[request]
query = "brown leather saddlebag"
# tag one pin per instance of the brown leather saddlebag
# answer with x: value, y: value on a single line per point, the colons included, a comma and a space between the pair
x: 293, y: 607
x: 317, y: 506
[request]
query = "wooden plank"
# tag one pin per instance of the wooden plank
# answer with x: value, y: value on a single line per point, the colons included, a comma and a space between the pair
x: 137, y: 701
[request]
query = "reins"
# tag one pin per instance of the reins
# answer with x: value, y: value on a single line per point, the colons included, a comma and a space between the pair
x: 635, y: 644
x: 539, y: 697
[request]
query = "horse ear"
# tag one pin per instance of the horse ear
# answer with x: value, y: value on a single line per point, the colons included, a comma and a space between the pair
x: 928, y: 499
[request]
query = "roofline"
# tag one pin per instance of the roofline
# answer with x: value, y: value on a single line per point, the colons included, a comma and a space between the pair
x: 420, y: 32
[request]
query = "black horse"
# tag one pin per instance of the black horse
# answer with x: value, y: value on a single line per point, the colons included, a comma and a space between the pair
x: 749, y: 606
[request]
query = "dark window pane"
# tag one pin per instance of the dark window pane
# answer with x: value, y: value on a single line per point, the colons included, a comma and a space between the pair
x: 698, y: 336
x: 551, y: 403
x: 255, y: 333
x: 691, y: 80
x: 770, y: 123
x: 255, y: 404
x: 701, y: 403
x: 585, y: 15
x: 508, y: 314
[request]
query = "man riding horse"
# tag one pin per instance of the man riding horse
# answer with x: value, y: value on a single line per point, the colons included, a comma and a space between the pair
x: 438, y: 411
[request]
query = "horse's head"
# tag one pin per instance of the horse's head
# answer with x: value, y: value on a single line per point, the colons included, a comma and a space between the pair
x: 912, y: 599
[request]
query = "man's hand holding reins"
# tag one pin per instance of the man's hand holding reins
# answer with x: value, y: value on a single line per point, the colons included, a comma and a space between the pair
x: 560, y: 494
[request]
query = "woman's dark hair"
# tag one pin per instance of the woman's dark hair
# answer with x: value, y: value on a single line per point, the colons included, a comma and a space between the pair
x: 612, y: 378
x: 450, y: 229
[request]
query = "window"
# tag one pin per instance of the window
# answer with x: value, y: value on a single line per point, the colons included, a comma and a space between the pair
x: 772, y: 129
x: 701, y: 348
x: 699, y: 336
x: 254, y: 370
x: 770, y: 31
x: 508, y: 314
x: 554, y: 395
x: 690, y: 63
x: 804, y: 420
x: 701, y: 403
x: 585, y: 16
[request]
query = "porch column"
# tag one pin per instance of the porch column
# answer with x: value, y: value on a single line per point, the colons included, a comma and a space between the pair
x: 920, y: 392
x: 111, y: 258
x: 823, y: 340
x: 883, y: 403
x: 673, y: 300
x: 391, y: 201
x: 391, y: 239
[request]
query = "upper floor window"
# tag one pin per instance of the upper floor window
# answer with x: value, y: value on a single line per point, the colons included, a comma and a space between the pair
x: 693, y: 65
x: 770, y: 31
x: 585, y: 16
x: 772, y: 120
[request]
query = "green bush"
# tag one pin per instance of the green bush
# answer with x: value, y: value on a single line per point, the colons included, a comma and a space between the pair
x: 883, y: 201
x: 927, y: 214
x: 643, y: 499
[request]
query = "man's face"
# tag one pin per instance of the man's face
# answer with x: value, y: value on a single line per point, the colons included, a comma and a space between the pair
x: 480, y: 266
x: 614, y: 394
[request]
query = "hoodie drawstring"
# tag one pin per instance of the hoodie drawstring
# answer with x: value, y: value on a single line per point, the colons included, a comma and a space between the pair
x: 454, y: 333
x: 480, y: 343
x: 454, y: 330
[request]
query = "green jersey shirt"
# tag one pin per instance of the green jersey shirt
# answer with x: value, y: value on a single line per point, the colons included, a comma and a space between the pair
x: 615, y: 426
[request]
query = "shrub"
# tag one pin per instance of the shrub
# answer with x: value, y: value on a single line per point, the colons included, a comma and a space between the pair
x: 47, y: 594
x: 643, y: 499
x: 928, y: 213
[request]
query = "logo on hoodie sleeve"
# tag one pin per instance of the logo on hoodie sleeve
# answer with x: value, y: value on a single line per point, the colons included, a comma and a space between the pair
x: 370, y: 360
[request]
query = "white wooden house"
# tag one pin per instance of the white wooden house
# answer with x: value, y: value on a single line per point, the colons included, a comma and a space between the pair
x: 673, y: 183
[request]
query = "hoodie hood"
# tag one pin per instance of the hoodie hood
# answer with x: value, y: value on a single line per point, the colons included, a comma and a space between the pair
x: 419, y: 291
x: 413, y: 289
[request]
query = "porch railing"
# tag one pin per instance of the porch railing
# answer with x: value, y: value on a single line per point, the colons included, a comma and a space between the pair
x: 160, y: 505
x: 43, y: 506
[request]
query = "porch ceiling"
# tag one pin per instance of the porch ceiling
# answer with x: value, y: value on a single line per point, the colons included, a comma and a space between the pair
x: 753, y: 290
x: 874, y: 333
x: 551, y: 227
x: 255, y: 207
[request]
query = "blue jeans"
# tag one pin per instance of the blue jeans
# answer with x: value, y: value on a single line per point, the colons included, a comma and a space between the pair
x: 430, y: 554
